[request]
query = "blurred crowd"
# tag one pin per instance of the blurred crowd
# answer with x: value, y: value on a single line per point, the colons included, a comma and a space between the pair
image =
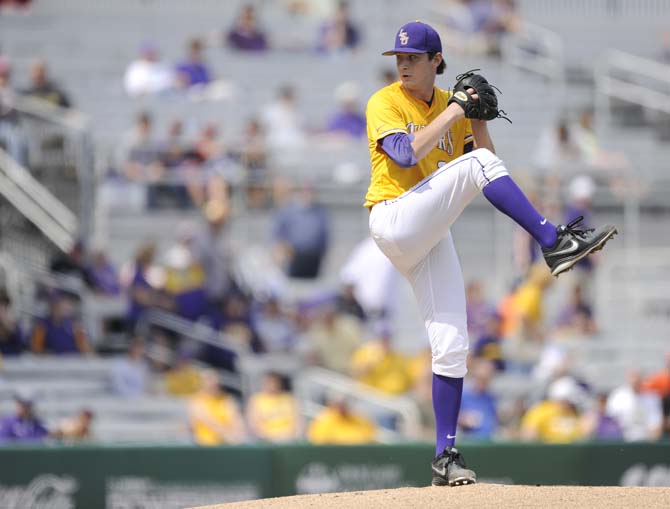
x: 347, y: 329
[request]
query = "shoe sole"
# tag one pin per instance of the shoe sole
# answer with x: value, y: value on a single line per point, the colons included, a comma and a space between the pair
x: 460, y: 481
x: 567, y: 265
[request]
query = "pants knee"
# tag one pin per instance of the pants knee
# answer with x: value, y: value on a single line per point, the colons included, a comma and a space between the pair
x: 449, y: 346
x: 487, y: 167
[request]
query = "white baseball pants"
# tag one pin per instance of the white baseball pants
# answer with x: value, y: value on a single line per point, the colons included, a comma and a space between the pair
x: 413, y: 232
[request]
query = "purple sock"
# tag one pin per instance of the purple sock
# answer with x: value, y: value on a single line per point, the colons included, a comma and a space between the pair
x: 506, y: 196
x: 446, y: 405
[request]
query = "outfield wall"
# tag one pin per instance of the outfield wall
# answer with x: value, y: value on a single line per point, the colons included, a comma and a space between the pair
x: 155, y: 477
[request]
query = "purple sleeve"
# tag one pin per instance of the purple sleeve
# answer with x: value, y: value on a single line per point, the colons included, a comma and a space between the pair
x: 398, y: 147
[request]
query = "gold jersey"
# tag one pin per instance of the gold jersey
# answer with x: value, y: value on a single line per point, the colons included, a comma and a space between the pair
x: 393, y: 110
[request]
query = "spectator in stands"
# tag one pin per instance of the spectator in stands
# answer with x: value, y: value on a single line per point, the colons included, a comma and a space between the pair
x: 139, y: 154
x: 42, y: 87
x: 193, y: 71
x: 522, y: 310
x: 487, y: 347
x: 142, y: 295
x: 254, y: 157
x: 301, y: 234
x: 147, y: 75
x: 213, y: 250
x: 576, y: 318
x: 185, y: 279
x: 338, y: 33
x: 600, y: 426
x: 77, y: 428
x: 246, y: 34
x: 12, y: 138
x: 639, y: 413
x: 272, y: 412
x: 24, y: 426
x: 592, y: 152
x: 349, y: 118
x: 332, y: 339
x: 478, y: 26
x: 556, y: 419
x: 183, y: 378
x: 478, y: 419
x: 215, y: 415
x: 372, y: 279
x: 276, y: 330
x: 59, y: 332
x: 208, y: 180
x: 233, y: 319
x: 19, y: 5
x: 72, y: 264
x: 283, y: 123
x: 11, y: 337
x: 130, y: 374
x: 178, y: 159
x: 478, y: 308
x: 659, y: 383
x: 185, y: 275
x: 557, y: 149
x: 103, y: 275
x: 347, y: 303
x: 338, y: 424
x: 378, y: 365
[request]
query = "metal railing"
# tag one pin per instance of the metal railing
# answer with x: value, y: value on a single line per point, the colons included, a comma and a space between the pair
x: 314, y: 383
x: 199, y: 332
x: 36, y: 203
x: 536, y: 49
x: 44, y: 120
x: 627, y: 78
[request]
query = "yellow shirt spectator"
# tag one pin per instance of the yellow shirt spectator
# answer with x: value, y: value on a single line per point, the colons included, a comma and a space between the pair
x: 375, y: 364
x: 183, y: 380
x: 274, y: 417
x: 214, y: 415
x: 272, y: 413
x: 522, y: 312
x: 337, y: 425
x: 552, y: 422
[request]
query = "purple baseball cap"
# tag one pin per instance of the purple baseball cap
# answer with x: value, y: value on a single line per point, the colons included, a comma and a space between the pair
x: 416, y: 37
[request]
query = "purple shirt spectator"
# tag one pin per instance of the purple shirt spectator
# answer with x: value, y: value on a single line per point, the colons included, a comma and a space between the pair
x: 103, y: 275
x: 302, y: 226
x: 135, y: 307
x: 479, y: 408
x: 245, y: 35
x: 59, y: 335
x: 197, y: 74
x: 16, y: 429
x: 607, y: 429
x: 348, y: 122
x: 23, y: 426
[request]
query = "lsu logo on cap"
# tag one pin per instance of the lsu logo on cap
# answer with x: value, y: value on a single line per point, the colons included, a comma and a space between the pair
x: 403, y: 37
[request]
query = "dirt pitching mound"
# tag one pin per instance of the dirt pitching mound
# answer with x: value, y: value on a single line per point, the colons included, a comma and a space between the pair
x: 476, y: 495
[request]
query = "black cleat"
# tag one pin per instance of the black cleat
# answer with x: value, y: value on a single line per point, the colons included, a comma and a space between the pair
x: 449, y: 469
x: 572, y: 245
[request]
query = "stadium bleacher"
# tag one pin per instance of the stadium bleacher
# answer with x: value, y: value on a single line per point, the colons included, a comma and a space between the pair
x: 89, y: 44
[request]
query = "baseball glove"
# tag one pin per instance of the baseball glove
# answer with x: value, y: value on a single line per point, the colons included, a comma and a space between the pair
x: 486, y: 106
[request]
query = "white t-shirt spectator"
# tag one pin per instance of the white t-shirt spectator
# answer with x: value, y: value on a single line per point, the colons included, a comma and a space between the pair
x: 639, y: 414
x: 144, y: 77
